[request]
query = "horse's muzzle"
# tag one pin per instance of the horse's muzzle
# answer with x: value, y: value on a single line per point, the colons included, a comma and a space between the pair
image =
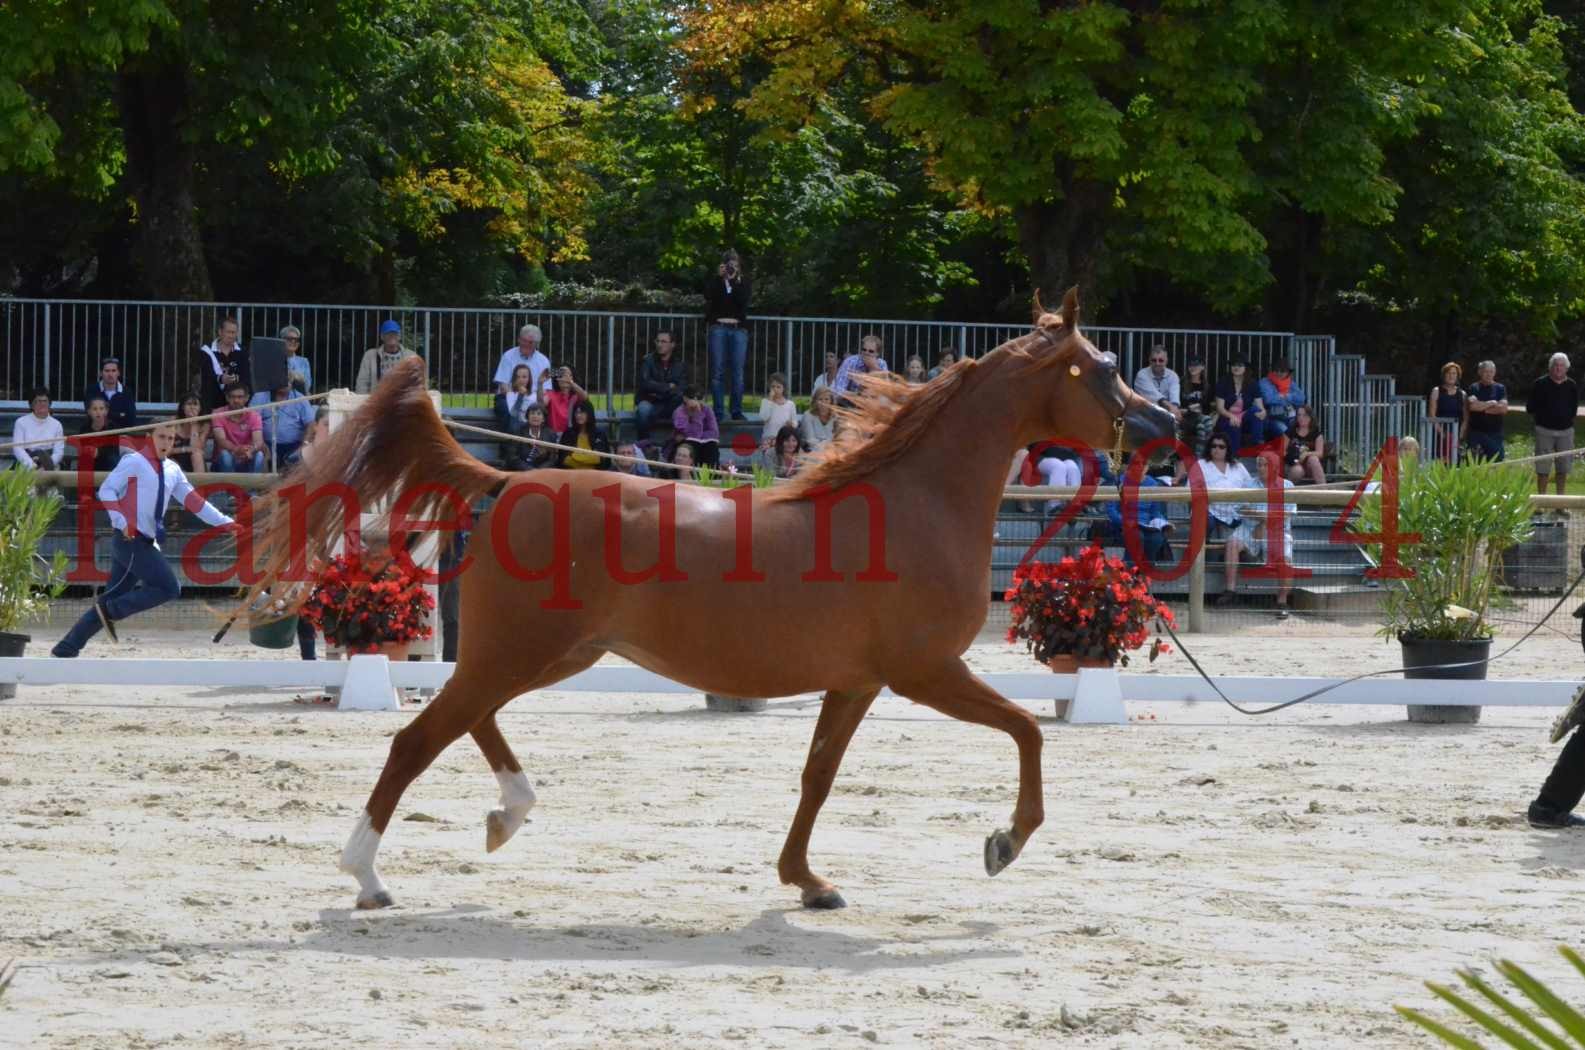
x: 1144, y: 423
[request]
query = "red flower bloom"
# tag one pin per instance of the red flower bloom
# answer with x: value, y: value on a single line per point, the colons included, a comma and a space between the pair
x: 1089, y: 606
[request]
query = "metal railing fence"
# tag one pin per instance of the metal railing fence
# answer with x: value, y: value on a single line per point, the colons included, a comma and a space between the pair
x: 58, y: 344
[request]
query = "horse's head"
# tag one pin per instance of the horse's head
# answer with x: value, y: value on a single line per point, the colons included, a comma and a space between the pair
x: 1081, y: 396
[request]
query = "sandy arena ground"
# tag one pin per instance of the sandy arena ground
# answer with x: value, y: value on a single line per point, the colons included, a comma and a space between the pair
x: 167, y: 872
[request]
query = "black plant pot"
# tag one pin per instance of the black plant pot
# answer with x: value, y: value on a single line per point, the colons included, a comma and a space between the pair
x: 1427, y: 657
x: 11, y: 645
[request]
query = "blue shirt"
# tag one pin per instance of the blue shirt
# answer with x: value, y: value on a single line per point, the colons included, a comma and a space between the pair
x: 294, y: 417
x: 1149, y: 514
x: 297, y: 365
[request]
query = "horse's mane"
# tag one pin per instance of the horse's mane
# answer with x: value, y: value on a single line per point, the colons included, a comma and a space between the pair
x: 890, y: 415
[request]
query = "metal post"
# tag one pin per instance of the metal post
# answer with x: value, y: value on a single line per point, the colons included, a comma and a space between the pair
x: 1197, y: 593
x: 46, y: 379
x: 963, y: 343
x: 610, y: 366
x: 787, y: 355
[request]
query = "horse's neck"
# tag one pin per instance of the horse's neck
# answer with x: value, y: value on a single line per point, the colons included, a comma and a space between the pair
x: 965, y: 454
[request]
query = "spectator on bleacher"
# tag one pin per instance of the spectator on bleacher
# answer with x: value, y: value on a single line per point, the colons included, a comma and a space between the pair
x: 1488, y: 404
x: 1220, y: 471
x: 1448, y: 401
x: 558, y: 392
x: 526, y: 354
x: 1240, y: 413
x: 378, y: 360
x: 1252, y: 535
x: 914, y: 371
x: 661, y: 379
x: 191, y: 438
x: 776, y: 411
x: 1305, y: 456
x: 1281, y: 394
x: 1198, y: 419
x: 824, y: 380
x: 868, y: 361
x: 818, y: 425
x: 781, y: 458
x: 140, y: 577
x: 944, y: 361
x: 695, y: 423
x: 106, y: 452
x: 41, y: 442
x: 586, y: 436
x: 522, y: 456
x: 1158, y: 384
x: 239, y: 439
x: 1151, y: 517
x: 119, y: 402
x: 631, y: 450
x: 1553, y: 404
x: 1059, y: 468
x: 511, y: 404
x: 682, y: 462
x: 286, y: 426
x: 726, y: 306
x: 222, y: 363
x: 298, y: 371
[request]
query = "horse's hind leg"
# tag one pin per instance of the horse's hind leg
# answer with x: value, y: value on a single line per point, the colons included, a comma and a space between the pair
x: 840, y: 715
x: 517, y: 794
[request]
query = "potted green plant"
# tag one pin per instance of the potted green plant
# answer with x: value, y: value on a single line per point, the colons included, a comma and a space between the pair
x: 1466, y: 518
x: 28, y: 581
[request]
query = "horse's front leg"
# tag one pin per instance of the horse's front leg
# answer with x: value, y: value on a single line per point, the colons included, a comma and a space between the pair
x: 954, y: 690
x: 840, y: 715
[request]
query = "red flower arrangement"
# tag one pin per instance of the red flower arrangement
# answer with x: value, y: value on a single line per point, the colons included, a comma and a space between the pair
x: 360, y: 607
x: 1091, y: 607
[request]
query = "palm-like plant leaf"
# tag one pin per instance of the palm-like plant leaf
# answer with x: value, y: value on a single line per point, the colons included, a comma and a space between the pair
x: 1549, y: 1005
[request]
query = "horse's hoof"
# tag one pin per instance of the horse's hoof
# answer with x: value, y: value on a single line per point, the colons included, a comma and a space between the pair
x: 381, y: 899
x: 496, y: 833
x: 829, y: 900
x: 999, y: 852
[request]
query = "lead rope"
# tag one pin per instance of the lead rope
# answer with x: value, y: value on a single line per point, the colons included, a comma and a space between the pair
x: 1575, y: 713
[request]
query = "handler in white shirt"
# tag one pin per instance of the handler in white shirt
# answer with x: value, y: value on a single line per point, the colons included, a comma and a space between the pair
x: 38, y: 440
x: 526, y: 352
x: 140, y: 578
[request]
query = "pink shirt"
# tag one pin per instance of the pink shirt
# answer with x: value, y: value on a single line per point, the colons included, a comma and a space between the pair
x: 558, y: 408
x: 240, y: 429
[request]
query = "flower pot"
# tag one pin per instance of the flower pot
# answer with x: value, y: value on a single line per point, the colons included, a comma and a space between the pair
x: 1423, y: 657
x: 1067, y: 663
x: 11, y: 645
x: 277, y: 634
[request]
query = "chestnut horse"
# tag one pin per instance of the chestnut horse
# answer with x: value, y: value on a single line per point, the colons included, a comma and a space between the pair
x: 898, y: 517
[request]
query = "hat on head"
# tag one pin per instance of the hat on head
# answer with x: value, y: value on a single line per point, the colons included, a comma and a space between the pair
x: 390, y: 326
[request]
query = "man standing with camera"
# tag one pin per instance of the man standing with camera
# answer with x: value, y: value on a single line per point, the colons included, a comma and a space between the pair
x: 726, y: 304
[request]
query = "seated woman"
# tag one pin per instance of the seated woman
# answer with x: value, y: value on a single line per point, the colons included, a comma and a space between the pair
x: 914, y: 371
x: 512, y: 407
x: 1240, y: 412
x: 818, y: 425
x: 586, y: 435
x: 781, y: 459
x: 191, y: 438
x: 1221, y: 472
x: 534, y: 457
x: 1253, y: 534
x: 1306, y: 451
x: 682, y: 462
x: 696, y: 424
x: 105, y: 453
x: 776, y: 410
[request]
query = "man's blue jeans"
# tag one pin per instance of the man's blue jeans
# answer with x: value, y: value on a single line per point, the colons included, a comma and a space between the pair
x: 1485, y: 445
x: 723, y: 338
x: 227, y: 463
x: 140, y: 579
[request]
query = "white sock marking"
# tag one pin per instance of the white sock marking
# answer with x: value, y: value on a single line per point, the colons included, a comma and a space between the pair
x: 357, y: 858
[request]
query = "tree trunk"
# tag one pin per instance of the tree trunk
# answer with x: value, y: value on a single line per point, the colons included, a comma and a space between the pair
x: 1064, y: 242
x: 161, y: 158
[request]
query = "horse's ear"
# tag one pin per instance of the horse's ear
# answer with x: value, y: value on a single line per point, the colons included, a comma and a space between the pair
x: 1070, y: 308
x: 1039, y: 310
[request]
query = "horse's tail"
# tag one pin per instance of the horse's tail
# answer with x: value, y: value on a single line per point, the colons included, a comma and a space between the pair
x: 396, y: 443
